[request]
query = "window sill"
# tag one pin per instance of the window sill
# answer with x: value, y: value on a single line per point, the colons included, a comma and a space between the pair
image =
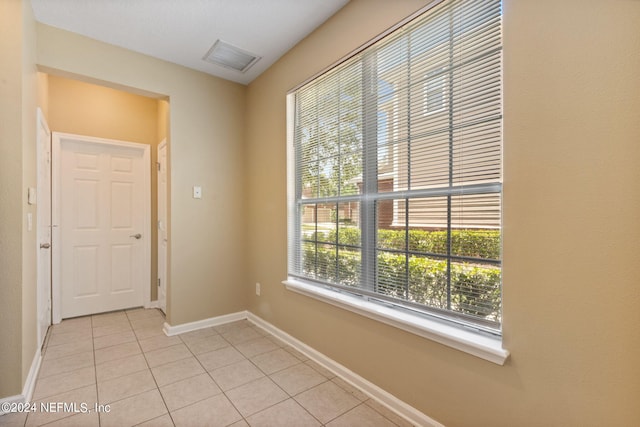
x: 468, y: 341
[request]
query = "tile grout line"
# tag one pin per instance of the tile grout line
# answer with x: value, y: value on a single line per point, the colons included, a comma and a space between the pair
x: 136, y: 341
x: 95, y: 370
x: 50, y: 329
x: 289, y: 396
x: 138, y: 344
x: 361, y: 402
x: 152, y: 376
x: 210, y: 376
x: 224, y: 392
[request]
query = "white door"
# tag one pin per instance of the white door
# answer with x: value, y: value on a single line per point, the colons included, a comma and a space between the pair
x: 162, y: 226
x: 102, y: 196
x: 43, y: 219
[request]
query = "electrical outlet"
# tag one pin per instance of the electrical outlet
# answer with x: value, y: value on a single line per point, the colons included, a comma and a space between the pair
x: 197, y: 192
x: 257, y: 288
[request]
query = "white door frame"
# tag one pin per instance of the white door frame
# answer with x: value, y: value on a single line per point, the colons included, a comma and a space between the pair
x: 56, y: 290
x: 162, y: 246
x: 43, y: 224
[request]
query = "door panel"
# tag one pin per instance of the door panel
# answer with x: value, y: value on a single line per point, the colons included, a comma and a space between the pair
x: 122, y: 205
x: 86, y: 193
x: 103, y: 207
x: 86, y: 270
x: 122, y: 268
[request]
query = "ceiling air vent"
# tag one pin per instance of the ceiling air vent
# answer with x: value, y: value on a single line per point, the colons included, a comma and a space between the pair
x: 229, y: 56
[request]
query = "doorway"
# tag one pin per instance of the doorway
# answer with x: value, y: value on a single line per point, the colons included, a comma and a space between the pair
x: 101, y: 206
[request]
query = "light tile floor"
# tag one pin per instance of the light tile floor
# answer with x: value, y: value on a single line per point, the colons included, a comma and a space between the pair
x: 230, y: 375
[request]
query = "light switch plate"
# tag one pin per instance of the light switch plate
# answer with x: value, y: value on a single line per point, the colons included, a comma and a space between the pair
x: 31, y: 196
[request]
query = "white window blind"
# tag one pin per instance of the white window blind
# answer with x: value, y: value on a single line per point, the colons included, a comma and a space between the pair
x: 397, y: 169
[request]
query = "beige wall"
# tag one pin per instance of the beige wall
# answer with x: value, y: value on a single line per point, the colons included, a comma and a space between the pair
x: 87, y: 109
x: 43, y: 93
x: 207, y: 130
x: 571, y: 229
x: 163, y: 119
x: 11, y: 197
x: 18, y: 101
x: 29, y: 179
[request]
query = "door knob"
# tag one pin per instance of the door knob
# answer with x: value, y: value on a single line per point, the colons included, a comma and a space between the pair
x: 137, y: 236
x: 45, y: 245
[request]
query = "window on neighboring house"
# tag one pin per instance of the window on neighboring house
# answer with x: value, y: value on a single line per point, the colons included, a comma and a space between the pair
x: 396, y: 169
x: 435, y: 92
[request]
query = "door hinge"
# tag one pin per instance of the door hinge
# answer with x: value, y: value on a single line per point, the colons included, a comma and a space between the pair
x: 158, y: 164
x: 158, y: 282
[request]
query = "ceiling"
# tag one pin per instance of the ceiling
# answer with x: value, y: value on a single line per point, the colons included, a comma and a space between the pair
x: 183, y: 31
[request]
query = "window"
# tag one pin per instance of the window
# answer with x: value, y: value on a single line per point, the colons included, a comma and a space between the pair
x: 396, y: 170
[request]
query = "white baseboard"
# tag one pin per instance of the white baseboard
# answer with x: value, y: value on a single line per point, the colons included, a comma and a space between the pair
x: 201, y: 324
x: 152, y: 304
x: 396, y: 405
x: 29, y: 385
